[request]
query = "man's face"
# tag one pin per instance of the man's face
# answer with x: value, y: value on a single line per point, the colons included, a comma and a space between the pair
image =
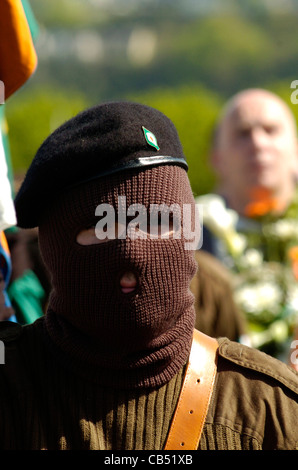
x: 257, y: 146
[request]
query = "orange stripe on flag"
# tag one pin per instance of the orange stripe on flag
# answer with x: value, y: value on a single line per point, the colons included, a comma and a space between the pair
x: 4, y: 243
x: 18, y: 59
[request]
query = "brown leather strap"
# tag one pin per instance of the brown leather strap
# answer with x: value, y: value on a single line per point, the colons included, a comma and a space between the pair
x: 192, y: 407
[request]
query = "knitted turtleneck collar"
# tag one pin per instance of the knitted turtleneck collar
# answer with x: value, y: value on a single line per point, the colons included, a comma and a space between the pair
x: 133, y: 340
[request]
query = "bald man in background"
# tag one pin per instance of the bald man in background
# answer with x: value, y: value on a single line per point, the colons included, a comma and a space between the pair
x: 255, y: 156
x: 255, y: 147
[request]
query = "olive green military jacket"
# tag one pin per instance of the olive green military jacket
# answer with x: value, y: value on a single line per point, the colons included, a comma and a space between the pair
x: 45, y: 405
x: 254, y: 403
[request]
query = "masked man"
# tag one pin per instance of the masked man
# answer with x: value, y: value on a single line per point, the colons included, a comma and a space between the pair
x: 104, y: 368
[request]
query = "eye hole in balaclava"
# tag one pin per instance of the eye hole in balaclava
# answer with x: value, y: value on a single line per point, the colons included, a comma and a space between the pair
x: 140, y: 338
x: 162, y: 223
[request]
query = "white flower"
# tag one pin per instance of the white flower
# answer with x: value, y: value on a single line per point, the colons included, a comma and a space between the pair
x: 252, y: 258
x: 283, y: 229
x: 245, y: 297
x: 222, y: 222
x: 259, y: 297
x: 215, y: 215
x: 236, y: 243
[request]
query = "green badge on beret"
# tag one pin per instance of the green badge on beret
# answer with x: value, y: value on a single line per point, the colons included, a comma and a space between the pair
x: 150, y: 138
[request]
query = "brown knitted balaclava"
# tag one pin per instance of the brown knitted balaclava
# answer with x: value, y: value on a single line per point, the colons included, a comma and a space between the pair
x: 140, y: 339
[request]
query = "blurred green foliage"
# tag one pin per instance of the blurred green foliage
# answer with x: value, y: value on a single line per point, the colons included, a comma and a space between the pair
x: 33, y: 116
x: 67, y: 14
x: 224, y: 53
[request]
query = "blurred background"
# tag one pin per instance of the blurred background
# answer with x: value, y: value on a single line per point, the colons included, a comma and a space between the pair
x: 182, y: 57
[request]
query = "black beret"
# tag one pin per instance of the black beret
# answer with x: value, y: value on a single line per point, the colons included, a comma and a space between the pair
x: 102, y: 140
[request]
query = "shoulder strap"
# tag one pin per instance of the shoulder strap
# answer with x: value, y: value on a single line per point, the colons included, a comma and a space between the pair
x: 192, y: 407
